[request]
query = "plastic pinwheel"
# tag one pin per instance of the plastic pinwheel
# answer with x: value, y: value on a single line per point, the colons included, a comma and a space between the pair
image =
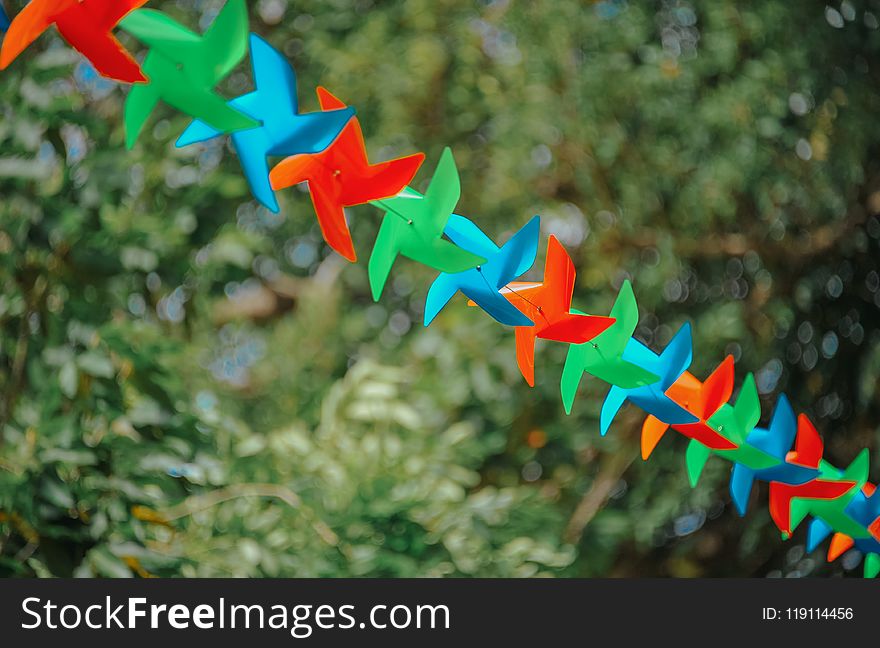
x: 795, y: 467
x: 826, y: 497
x: 842, y: 502
x: 342, y: 176
x: 669, y: 365
x: 836, y: 513
x: 86, y: 25
x: 184, y: 67
x: 548, y: 306
x: 483, y: 284
x: 413, y: 226
x: 865, y: 509
x: 702, y: 399
x: 734, y: 422
x: 602, y: 357
x: 283, y: 131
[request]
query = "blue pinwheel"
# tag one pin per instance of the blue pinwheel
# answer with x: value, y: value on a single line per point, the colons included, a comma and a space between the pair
x: 283, y: 130
x: 669, y: 365
x: 775, y: 441
x: 483, y: 283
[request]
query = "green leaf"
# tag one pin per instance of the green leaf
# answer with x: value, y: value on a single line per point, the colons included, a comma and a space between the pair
x: 68, y: 378
x: 106, y: 564
x: 96, y: 364
x: 57, y: 493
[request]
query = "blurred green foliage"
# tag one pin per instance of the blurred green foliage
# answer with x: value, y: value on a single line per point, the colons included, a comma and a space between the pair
x: 192, y: 386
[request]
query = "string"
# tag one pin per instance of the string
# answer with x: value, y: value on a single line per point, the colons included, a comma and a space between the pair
x: 391, y: 210
x: 538, y: 308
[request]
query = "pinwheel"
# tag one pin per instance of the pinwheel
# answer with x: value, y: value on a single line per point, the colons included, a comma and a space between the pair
x: 87, y: 25
x: 734, y: 422
x: 483, y: 284
x: 548, y: 306
x: 797, y: 467
x: 283, y: 131
x: 602, y: 357
x: 702, y: 399
x: 413, y: 226
x: 669, y: 365
x: 184, y: 68
x: 825, y: 497
x: 342, y: 176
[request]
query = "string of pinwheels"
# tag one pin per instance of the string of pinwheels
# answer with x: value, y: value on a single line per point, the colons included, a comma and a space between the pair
x: 326, y: 150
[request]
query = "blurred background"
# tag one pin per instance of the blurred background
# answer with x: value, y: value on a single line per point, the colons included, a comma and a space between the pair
x: 191, y: 385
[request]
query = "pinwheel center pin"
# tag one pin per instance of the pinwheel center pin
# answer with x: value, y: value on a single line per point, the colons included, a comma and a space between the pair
x: 409, y: 221
x: 538, y: 308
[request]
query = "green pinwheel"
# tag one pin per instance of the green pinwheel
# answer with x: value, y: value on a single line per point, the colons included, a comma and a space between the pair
x: 184, y: 67
x: 413, y: 226
x: 733, y: 422
x: 832, y: 511
x: 602, y: 356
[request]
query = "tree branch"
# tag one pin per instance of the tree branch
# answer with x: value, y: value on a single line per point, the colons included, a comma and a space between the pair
x: 203, y: 502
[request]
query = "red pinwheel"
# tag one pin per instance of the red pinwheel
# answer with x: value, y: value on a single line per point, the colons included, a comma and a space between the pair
x: 548, y: 305
x: 702, y: 399
x: 808, y: 446
x: 781, y: 496
x: 342, y: 176
x: 86, y: 24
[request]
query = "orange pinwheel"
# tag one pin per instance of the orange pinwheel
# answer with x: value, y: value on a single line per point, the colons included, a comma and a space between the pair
x: 840, y: 544
x: 86, y: 25
x: 548, y: 305
x: 342, y: 176
x: 702, y: 399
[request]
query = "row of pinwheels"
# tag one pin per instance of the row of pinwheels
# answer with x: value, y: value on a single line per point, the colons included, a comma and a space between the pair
x: 326, y: 150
